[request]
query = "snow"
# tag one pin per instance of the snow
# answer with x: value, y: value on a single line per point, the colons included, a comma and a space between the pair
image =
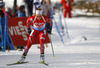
x: 10, y: 3
x: 75, y: 52
x: 20, y: 2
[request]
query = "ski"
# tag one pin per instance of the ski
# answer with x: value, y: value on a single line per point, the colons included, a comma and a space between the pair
x: 24, y: 63
x: 44, y: 63
x: 16, y: 63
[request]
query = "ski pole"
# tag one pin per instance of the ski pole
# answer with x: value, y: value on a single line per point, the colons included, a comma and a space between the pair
x: 58, y: 30
x: 52, y: 46
x: 60, y: 18
x: 65, y: 25
x: 99, y: 29
x: 46, y: 45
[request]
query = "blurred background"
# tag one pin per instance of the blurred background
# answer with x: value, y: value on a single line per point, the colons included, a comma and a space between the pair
x: 91, y: 7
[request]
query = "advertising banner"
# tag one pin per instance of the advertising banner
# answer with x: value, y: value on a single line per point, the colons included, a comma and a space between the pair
x: 19, y: 33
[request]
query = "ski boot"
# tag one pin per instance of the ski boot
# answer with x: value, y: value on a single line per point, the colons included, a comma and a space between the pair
x: 42, y: 58
x: 22, y: 59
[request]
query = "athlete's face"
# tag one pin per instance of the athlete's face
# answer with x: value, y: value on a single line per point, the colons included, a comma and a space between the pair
x: 39, y: 16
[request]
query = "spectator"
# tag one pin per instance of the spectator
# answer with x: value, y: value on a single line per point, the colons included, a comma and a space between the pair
x: 29, y: 7
x: 50, y: 13
x: 67, y: 7
x: 9, y: 12
x: 2, y: 4
x: 21, y: 11
x: 45, y: 7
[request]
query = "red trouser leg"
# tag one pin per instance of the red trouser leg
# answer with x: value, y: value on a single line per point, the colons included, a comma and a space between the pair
x: 29, y: 42
x: 31, y: 38
x: 42, y: 40
x: 65, y: 13
x: 69, y: 12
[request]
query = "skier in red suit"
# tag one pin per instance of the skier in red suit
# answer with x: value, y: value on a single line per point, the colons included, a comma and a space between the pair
x: 39, y: 29
x: 67, y: 7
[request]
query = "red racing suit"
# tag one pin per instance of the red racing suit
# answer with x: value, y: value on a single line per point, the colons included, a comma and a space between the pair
x: 37, y: 30
x: 67, y: 7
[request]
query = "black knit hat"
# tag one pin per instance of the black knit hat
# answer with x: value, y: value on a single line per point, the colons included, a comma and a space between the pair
x: 21, y: 7
x: 2, y: 4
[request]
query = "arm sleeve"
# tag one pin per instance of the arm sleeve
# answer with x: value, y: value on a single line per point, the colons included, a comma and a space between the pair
x: 72, y: 0
x: 62, y: 1
x: 29, y: 21
x: 47, y: 19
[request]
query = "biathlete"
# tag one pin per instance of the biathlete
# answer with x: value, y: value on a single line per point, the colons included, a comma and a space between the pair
x: 39, y: 29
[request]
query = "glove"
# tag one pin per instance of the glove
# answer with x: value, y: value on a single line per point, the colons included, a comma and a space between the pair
x: 1, y: 13
x: 49, y: 31
x: 36, y: 3
x: 29, y: 30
